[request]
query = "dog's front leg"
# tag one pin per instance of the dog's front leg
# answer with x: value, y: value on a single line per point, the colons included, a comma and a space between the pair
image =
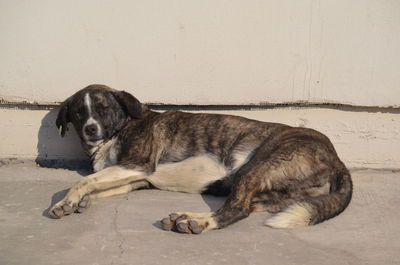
x: 77, y: 198
x: 140, y: 184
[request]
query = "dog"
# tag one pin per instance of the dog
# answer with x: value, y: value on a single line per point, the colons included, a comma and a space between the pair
x: 292, y: 172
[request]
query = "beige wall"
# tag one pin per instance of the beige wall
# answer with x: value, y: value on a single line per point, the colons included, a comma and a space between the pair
x: 207, y: 51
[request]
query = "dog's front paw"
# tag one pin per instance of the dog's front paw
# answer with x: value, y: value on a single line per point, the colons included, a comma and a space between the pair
x: 66, y: 207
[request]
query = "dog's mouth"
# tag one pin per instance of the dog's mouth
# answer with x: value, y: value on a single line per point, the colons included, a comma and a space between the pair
x: 93, y: 141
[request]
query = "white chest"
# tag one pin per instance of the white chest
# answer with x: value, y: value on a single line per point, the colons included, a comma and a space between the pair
x: 105, y: 156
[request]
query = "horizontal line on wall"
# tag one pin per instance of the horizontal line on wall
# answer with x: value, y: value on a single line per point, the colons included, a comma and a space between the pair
x: 219, y: 107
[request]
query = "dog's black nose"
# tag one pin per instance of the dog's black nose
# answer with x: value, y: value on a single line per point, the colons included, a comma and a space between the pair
x: 91, y: 130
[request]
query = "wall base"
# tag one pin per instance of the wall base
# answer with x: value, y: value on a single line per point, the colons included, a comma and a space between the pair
x: 363, y: 139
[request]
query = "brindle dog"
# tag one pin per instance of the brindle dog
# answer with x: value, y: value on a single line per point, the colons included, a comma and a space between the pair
x: 294, y: 173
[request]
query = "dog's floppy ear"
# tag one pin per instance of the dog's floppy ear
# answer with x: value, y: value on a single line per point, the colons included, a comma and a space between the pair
x: 63, y: 117
x: 129, y: 103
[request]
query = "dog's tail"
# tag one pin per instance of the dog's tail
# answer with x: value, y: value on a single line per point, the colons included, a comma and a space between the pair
x: 317, y: 209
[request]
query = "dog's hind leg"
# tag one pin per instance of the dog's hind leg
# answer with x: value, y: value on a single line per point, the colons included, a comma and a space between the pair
x: 235, y: 208
x: 77, y: 198
x: 247, y: 181
x: 270, y: 202
x: 292, y: 167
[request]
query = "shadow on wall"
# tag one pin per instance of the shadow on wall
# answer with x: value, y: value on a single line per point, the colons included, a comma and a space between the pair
x: 57, y: 152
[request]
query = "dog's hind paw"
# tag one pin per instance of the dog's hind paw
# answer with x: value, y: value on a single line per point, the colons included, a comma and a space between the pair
x: 191, y: 226
x: 168, y: 223
x: 66, y: 207
x: 189, y: 223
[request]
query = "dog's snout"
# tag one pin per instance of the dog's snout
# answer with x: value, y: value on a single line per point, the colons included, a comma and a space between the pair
x: 91, y: 129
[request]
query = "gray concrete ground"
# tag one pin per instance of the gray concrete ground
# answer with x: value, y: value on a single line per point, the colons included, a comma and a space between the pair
x: 123, y: 229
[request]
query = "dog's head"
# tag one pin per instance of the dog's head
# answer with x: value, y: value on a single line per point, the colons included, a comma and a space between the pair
x: 97, y: 113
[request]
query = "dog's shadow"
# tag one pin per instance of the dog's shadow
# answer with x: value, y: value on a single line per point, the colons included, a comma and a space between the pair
x: 56, y: 152
x: 213, y: 202
x: 54, y: 199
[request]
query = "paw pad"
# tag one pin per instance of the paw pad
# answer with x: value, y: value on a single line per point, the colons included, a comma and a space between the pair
x: 66, y: 207
x: 182, y: 223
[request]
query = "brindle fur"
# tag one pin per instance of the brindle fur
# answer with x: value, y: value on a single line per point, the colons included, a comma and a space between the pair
x: 293, y: 172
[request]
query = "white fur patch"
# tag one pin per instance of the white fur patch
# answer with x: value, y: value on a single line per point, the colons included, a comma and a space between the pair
x: 296, y: 215
x: 113, y: 154
x: 106, y: 155
x: 88, y: 104
x: 190, y: 175
x: 241, y: 158
x: 90, y: 121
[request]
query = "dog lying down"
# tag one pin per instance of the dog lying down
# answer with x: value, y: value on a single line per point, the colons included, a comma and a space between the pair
x: 292, y: 172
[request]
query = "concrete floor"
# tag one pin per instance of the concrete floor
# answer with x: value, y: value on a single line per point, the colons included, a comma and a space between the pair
x: 123, y: 229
